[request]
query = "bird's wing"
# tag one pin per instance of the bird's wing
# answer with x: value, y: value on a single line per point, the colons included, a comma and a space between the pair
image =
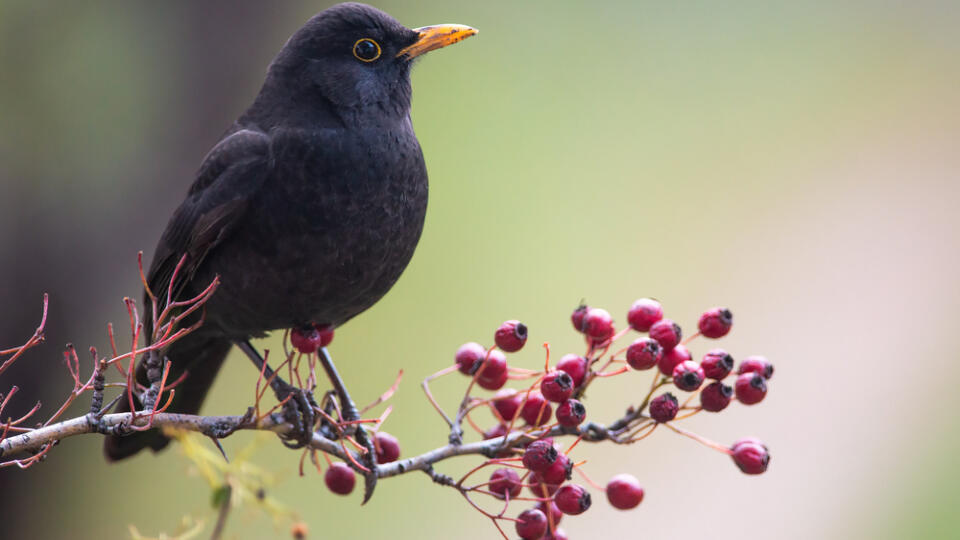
x: 229, y: 176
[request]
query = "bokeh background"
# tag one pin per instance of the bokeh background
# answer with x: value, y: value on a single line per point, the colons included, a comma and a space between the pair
x: 795, y: 161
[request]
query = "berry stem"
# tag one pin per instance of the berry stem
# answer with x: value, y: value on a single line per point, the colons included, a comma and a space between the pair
x: 700, y: 439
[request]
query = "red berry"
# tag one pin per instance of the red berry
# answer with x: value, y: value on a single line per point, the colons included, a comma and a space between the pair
x: 558, y: 534
x: 539, y: 455
x: 644, y: 353
x: 549, y: 509
x: 326, y: 334
x: 557, y: 386
x: 750, y: 456
x: 598, y: 325
x: 511, y: 336
x: 494, y: 371
x: 540, y: 488
x: 505, y: 481
x: 507, y: 403
x: 536, y: 405
x: 469, y: 357
x: 750, y: 388
x: 667, y: 333
x: 531, y: 524
x: 577, y: 317
x: 715, y: 322
x: 624, y: 492
x: 715, y: 397
x: 306, y: 339
x: 387, y: 446
x: 340, y: 478
x: 571, y: 413
x: 757, y: 364
x: 664, y: 408
x: 643, y: 313
x: 558, y: 473
x: 575, y: 366
x: 572, y: 499
x: 498, y: 430
x: 672, y: 358
x: 717, y: 364
x: 688, y: 376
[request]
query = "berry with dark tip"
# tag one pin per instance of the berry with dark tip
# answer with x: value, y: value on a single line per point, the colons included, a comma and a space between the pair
x: 598, y: 325
x: 539, y: 455
x: 667, y: 333
x: 536, y: 405
x: 556, y: 474
x: 750, y: 388
x: 717, y: 364
x: 549, y: 509
x: 644, y: 313
x: 624, y: 492
x: 672, y: 358
x: 715, y: 322
x: 307, y: 339
x: 688, y: 376
x: 494, y: 374
x: 557, y: 386
x: 531, y: 524
x: 469, y: 357
x: 715, y: 397
x: 505, y: 482
x: 572, y: 499
x: 664, y: 408
x: 750, y: 455
x: 340, y: 478
x: 571, y: 413
x: 511, y: 336
x: 756, y: 364
x: 577, y: 317
x: 575, y: 366
x: 644, y: 353
x: 507, y: 403
x: 387, y: 447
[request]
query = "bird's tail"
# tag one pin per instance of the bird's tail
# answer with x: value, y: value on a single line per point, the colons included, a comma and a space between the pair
x: 201, y: 357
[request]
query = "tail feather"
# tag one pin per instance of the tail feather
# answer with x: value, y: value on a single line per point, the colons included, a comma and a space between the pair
x: 201, y: 357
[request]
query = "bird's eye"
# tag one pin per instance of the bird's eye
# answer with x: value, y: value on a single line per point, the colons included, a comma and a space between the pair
x: 366, y: 50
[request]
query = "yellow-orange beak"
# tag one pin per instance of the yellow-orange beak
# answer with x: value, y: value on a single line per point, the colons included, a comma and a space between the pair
x: 435, y: 37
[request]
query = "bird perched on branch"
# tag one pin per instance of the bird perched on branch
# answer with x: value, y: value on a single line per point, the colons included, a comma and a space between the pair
x: 310, y: 206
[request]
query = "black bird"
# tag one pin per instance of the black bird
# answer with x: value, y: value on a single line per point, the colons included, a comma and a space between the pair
x: 310, y: 206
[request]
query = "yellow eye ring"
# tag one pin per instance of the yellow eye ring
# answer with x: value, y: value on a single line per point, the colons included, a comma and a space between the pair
x: 363, y: 51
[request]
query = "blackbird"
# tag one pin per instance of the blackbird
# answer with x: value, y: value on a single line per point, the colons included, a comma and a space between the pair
x: 310, y: 206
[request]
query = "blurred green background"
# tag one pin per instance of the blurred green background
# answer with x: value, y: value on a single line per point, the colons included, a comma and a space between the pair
x: 795, y: 161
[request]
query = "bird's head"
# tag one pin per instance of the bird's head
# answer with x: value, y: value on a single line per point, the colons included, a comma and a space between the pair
x: 354, y: 57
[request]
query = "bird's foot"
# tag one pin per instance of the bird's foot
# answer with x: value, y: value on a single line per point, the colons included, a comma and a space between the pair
x: 298, y: 412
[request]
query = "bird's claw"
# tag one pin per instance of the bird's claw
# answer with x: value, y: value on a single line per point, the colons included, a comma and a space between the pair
x: 298, y: 412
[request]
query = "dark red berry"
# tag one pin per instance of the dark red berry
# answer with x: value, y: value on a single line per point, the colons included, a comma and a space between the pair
x: 511, y: 336
x: 715, y: 322
x: 757, y: 364
x: 667, y: 333
x: 571, y: 413
x: 715, y: 396
x: 558, y: 534
x: 644, y: 353
x: 717, y: 364
x: 469, y: 357
x: 539, y: 455
x: 624, y: 492
x: 750, y: 456
x: 387, y: 446
x: 644, y: 313
x: 498, y: 430
x: 688, y: 376
x: 557, y: 386
x: 577, y: 317
x: 494, y: 371
x: 326, y: 334
x: 664, y: 407
x: 531, y: 524
x: 549, y: 509
x: 504, y: 482
x: 558, y: 473
x: 750, y: 388
x: 575, y: 366
x: 507, y: 403
x: 306, y: 339
x: 746, y: 440
x: 340, y: 478
x: 572, y: 499
x: 672, y: 358
x: 598, y: 325
x: 539, y: 488
x: 536, y: 405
